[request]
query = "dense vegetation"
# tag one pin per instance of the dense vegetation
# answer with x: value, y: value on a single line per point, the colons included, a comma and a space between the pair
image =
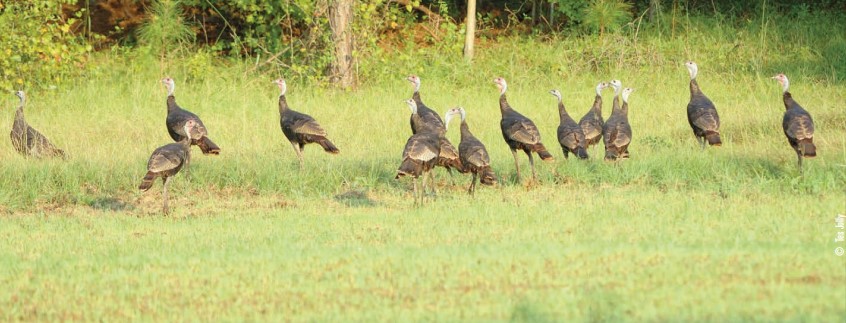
x: 54, y: 39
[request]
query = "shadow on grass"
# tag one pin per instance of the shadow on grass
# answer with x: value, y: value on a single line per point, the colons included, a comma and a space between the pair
x: 107, y: 203
x: 525, y: 312
x: 356, y: 198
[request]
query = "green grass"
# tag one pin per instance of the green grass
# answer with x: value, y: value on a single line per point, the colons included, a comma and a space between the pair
x: 674, y: 234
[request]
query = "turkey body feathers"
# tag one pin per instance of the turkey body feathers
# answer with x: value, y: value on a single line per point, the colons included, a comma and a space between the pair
x: 702, y: 116
x: 302, y: 129
x: 175, y: 121
x: 520, y: 133
x: 165, y: 161
x: 617, y: 134
x: 798, y: 127
x: 592, y: 122
x: 475, y: 157
x: 429, y: 120
x: 419, y: 155
x: 570, y: 135
x: 428, y: 117
x: 29, y: 142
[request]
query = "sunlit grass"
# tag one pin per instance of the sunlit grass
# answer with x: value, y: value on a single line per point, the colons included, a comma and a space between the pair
x: 672, y: 234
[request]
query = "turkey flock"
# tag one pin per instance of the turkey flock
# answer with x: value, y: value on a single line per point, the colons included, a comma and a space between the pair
x: 428, y: 146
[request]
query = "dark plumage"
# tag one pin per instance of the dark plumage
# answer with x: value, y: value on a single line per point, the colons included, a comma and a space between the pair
x: 300, y: 128
x: 592, y: 122
x: 428, y: 118
x: 167, y: 160
x: 797, y: 124
x: 570, y: 134
x: 472, y: 152
x: 701, y: 113
x: 420, y: 154
x: 617, y: 133
x: 176, y: 119
x: 28, y: 141
x: 519, y: 132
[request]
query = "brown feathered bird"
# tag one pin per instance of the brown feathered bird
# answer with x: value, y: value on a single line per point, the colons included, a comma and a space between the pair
x: 167, y: 160
x: 701, y: 113
x: 797, y: 123
x: 570, y: 134
x: 473, y: 154
x: 617, y: 133
x: 175, y: 121
x: 519, y: 132
x: 300, y: 128
x: 419, y: 156
x: 28, y: 141
x: 430, y: 119
x: 592, y: 122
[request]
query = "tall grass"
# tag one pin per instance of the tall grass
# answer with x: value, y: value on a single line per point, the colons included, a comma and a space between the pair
x: 110, y: 123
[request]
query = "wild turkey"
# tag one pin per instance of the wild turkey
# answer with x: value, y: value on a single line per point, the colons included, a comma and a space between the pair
x: 176, y: 118
x: 570, y: 134
x: 167, y: 160
x: 592, y: 122
x: 420, y: 154
x: 797, y: 123
x: 300, y: 128
x: 473, y: 154
x: 615, y: 103
x: 27, y: 140
x: 701, y: 113
x: 617, y: 132
x: 430, y: 119
x: 428, y: 116
x: 519, y: 132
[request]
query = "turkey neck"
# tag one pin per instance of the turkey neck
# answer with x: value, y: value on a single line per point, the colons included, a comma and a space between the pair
x: 171, y: 104
x: 283, y: 104
x: 465, y: 131
x: 562, y: 112
x: 503, y: 104
x: 418, y: 121
x: 624, y: 110
x: 19, y: 114
x: 694, y: 88
x: 789, y: 102
x: 597, y: 106
x: 416, y: 97
x: 615, y: 104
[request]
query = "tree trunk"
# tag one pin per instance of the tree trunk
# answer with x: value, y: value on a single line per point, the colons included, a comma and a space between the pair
x: 470, y: 30
x: 340, y: 21
x: 654, y: 10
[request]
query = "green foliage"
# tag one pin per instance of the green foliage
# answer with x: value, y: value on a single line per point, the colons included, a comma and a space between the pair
x: 38, y: 48
x: 293, y: 36
x: 600, y: 15
x: 573, y: 11
x: 166, y: 31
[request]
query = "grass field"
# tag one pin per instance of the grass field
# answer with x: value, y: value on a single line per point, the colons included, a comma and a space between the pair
x: 733, y: 233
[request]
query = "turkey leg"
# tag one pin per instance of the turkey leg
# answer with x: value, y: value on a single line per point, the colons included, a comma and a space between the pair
x: 165, y: 207
x: 299, y: 153
x: 516, y: 163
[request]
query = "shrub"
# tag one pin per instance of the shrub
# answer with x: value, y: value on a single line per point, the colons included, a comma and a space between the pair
x: 39, y: 49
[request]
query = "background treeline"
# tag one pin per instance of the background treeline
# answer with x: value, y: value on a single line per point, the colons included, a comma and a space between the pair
x: 51, y: 40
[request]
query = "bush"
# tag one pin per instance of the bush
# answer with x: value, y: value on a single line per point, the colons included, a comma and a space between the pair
x: 39, y: 48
